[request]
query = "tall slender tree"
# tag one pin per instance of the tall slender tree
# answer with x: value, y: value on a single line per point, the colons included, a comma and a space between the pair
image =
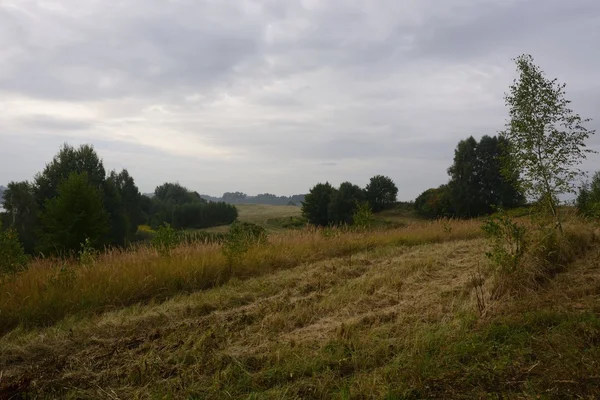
x: 546, y: 138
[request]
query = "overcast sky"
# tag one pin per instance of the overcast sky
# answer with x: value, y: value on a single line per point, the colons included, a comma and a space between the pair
x: 277, y: 95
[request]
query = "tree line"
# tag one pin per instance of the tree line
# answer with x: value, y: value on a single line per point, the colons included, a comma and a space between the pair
x: 481, y: 181
x: 73, y: 200
x: 263, y: 198
x: 325, y: 205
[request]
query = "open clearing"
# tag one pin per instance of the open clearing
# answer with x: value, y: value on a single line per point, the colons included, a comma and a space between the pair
x: 393, y: 319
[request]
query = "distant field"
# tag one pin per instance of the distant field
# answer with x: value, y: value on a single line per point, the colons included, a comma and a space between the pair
x: 262, y: 214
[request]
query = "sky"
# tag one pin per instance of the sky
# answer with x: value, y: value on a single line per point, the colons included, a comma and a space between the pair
x: 277, y: 95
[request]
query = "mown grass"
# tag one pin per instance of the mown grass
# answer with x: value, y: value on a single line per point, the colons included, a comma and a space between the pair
x: 50, y: 289
x: 390, y: 322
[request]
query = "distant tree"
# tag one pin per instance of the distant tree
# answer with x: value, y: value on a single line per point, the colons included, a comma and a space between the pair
x: 588, y: 199
x: 234, y: 197
x: 344, y: 202
x: 479, y: 181
x: 435, y: 203
x: 464, y: 186
x: 67, y: 161
x: 22, y: 212
x: 119, y: 224
x: 74, y: 215
x: 381, y: 192
x: 12, y: 255
x: 176, y: 194
x: 546, y: 138
x: 131, y: 199
x: 316, y: 204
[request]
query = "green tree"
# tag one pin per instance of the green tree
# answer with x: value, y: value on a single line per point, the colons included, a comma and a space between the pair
x: 22, y: 212
x: 119, y: 223
x: 435, y: 203
x: 316, y: 204
x: 464, y: 186
x: 131, y: 199
x: 74, y: 215
x: 67, y: 161
x: 12, y: 254
x: 546, y: 138
x: 381, y: 192
x: 588, y: 199
x: 344, y: 203
x: 497, y: 188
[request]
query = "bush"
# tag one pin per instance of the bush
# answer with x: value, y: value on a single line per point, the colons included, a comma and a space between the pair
x: 363, y: 216
x: 508, y: 242
x: 165, y: 239
x: 12, y: 254
x: 241, y: 237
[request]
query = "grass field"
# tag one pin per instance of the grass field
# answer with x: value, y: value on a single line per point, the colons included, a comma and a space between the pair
x: 268, y: 216
x: 394, y: 313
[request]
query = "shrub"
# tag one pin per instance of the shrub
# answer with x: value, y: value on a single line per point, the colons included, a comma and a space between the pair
x: 241, y: 237
x: 508, y: 242
x: 12, y: 254
x: 165, y: 239
x: 363, y: 216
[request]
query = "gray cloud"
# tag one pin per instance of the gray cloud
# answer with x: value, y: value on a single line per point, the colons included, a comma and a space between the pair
x: 273, y: 95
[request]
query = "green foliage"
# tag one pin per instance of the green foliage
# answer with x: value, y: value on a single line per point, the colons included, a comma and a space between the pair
x: 12, y: 254
x: 165, y: 239
x: 241, y: 237
x: 183, y: 209
x: 315, y: 207
x: 87, y: 254
x: 363, y: 216
x: 479, y: 182
x: 546, y: 139
x: 343, y: 204
x: 176, y: 194
x: 74, y: 215
x: 434, y: 203
x: 68, y: 160
x: 381, y: 192
x: 22, y: 212
x: 508, y: 242
x: 203, y: 215
x: 588, y: 199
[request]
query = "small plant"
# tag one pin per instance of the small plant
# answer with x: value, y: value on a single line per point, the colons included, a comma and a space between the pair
x: 508, y: 242
x: 12, y: 255
x: 87, y: 254
x: 363, y: 216
x: 241, y: 237
x: 165, y: 240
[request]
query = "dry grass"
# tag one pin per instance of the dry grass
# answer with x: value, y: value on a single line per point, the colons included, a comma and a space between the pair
x: 50, y: 290
x: 390, y: 314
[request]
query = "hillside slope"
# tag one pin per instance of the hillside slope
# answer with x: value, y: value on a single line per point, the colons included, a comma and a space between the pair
x: 391, y: 322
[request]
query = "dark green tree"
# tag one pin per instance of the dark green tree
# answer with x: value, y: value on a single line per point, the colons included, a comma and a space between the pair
x: 344, y: 202
x: 22, y: 212
x: 74, y: 215
x: 316, y: 204
x: 131, y: 200
x: 465, y: 183
x: 435, y: 203
x: 67, y: 161
x: 119, y: 224
x: 381, y: 192
x: 588, y: 199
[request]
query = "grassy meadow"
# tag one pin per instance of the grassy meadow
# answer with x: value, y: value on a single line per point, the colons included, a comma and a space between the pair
x: 408, y: 309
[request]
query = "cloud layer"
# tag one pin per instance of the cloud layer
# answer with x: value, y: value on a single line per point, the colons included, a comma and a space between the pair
x: 277, y: 95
